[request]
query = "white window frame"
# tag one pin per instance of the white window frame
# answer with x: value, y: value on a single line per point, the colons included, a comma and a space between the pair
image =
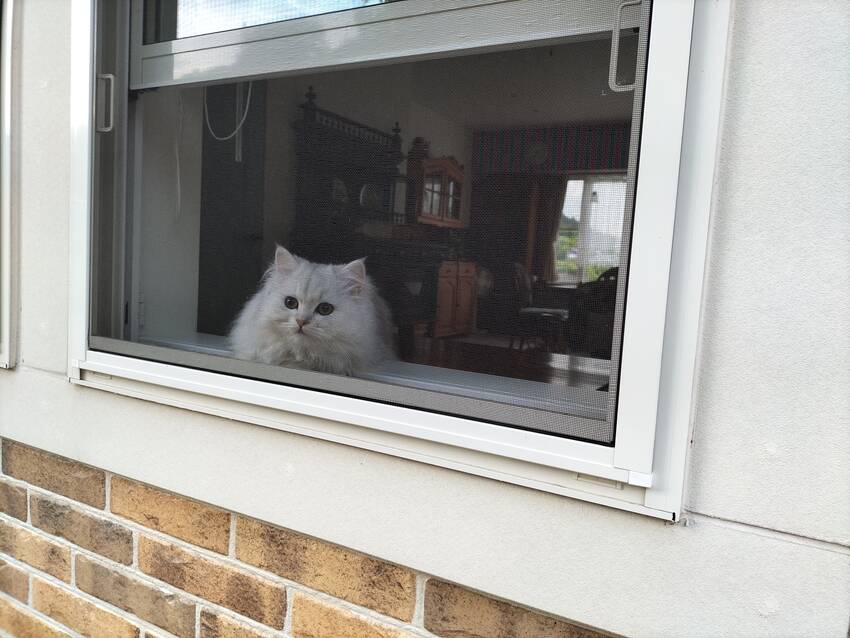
x: 279, y: 47
x: 8, y: 265
x: 643, y: 472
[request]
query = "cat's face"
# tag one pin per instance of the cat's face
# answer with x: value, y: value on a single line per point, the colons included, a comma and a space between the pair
x: 314, y: 302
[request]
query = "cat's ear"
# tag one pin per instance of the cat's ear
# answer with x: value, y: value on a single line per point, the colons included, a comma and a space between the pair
x: 284, y: 260
x: 354, y: 275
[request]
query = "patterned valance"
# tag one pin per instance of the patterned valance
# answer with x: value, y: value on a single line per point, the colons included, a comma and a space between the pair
x: 553, y: 149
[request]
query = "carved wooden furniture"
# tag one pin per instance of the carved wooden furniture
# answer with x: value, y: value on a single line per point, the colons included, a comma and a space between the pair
x: 347, y: 173
x: 442, y: 181
x: 435, y: 187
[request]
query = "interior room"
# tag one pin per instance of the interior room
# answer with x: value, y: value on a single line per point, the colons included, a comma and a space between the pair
x: 487, y: 193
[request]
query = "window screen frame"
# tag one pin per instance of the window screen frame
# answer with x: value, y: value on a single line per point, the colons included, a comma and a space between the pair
x: 439, y: 439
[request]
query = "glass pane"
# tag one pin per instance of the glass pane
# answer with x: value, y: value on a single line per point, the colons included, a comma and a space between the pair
x: 454, y: 207
x: 433, y: 186
x: 603, y: 228
x: 254, y: 204
x: 175, y: 19
x: 430, y: 202
x: 567, y: 267
x: 591, y: 228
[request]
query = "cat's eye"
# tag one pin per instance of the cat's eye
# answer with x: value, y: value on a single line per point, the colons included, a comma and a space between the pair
x: 291, y: 303
x: 324, y: 308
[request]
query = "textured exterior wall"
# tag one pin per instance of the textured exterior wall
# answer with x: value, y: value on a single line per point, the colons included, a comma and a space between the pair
x: 773, y: 405
x: 105, y: 556
x: 765, y: 551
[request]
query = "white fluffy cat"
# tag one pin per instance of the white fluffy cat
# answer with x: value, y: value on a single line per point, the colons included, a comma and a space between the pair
x: 323, y: 317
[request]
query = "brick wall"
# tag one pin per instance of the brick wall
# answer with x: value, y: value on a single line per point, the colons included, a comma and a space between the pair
x: 83, y: 552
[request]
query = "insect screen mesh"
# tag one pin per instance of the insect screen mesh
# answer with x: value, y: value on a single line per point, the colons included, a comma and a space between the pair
x: 449, y: 234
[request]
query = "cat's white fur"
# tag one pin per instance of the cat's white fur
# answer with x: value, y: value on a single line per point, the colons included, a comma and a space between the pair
x: 354, y: 337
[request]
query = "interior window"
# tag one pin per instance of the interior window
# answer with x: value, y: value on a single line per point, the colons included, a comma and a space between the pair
x: 590, y: 231
x: 446, y: 234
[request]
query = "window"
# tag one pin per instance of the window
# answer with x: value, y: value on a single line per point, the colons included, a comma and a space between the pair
x: 441, y: 192
x: 371, y: 228
x: 590, y: 230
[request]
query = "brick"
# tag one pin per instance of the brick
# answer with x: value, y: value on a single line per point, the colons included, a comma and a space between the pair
x: 18, y: 623
x: 312, y: 618
x: 55, y: 474
x: 94, y: 533
x: 34, y: 550
x: 153, y: 604
x: 188, y: 520
x: 252, y: 596
x: 215, y: 625
x: 14, y: 581
x: 79, y: 614
x: 13, y: 500
x: 357, y: 578
x: 460, y: 613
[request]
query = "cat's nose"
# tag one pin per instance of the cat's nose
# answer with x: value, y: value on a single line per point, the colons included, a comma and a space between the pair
x: 301, y: 322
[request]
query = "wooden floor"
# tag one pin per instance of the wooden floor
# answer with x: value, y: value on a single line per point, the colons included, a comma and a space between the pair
x: 529, y: 364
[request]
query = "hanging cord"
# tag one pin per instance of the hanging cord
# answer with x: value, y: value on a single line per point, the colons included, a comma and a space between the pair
x: 241, y: 121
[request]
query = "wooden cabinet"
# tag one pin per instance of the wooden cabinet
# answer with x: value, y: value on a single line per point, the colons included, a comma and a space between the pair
x: 435, y: 187
x: 465, y: 307
x: 442, y: 181
x: 444, y: 323
x: 455, y: 299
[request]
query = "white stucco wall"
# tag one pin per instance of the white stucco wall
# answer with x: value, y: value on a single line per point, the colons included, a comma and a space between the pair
x: 774, y: 400
x: 766, y: 551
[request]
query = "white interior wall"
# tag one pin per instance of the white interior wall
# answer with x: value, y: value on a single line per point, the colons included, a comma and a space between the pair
x: 766, y: 549
x: 170, y: 226
x: 544, y: 85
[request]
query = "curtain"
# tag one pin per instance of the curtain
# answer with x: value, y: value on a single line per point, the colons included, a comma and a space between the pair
x: 552, y: 150
x: 547, y: 208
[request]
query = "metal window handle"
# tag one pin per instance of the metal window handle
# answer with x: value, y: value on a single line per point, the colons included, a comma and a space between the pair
x: 615, y: 49
x: 109, y: 103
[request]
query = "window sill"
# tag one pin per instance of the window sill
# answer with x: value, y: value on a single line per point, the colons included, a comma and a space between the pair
x: 197, y: 390
x: 582, y: 401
